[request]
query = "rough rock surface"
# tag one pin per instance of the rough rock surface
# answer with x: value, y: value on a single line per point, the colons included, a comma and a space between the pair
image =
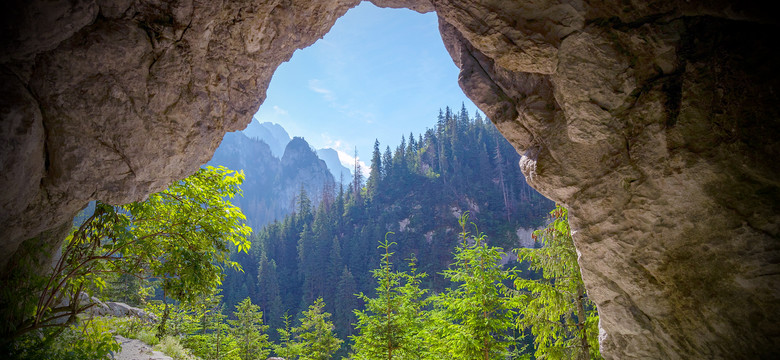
x: 655, y: 122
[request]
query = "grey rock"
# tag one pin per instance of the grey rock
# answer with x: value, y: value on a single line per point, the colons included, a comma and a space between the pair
x: 655, y: 122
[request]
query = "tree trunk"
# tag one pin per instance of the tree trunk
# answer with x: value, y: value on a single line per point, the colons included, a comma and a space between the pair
x: 582, y: 317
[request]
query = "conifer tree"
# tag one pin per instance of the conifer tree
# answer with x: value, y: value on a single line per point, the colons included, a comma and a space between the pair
x: 464, y: 115
x: 556, y: 309
x: 345, y: 303
x: 390, y: 326
x: 287, y: 347
x: 478, y: 118
x: 474, y: 319
x: 500, y: 170
x: 335, y: 261
x: 214, y: 339
x: 249, y: 331
x: 387, y: 163
x: 375, y: 176
x: 357, y: 180
x: 270, y: 294
x: 304, y: 207
x: 315, y: 334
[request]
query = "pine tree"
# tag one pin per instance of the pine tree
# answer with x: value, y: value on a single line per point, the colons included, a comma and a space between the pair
x: 387, y: 162
x: 500, y: 170
x: 478, y: 118
x: 390, y: 327
x: 375, y: 176
x: 304, y: 207
x: 335, y: 261
x: 307, y: 267
x: 213, y: 340
x: 556, y: 309
x: 441, y: 123
x: 249, y: 331
x: 315, y: 334
x: 287, y: 347
x: 270, y: 292
x: 345, y: 303
x: 464, y: 116
x: 474, y: 319
x: 357, y: 181
x: 399, y: 159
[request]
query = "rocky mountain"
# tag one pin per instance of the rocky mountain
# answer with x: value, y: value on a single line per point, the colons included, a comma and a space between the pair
x: 337, y: 169
x: 651, y: 123
x: 271, y: 182
x: 271, y: 133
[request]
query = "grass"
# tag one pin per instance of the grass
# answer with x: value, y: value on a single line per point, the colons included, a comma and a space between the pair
x: 172, y: 347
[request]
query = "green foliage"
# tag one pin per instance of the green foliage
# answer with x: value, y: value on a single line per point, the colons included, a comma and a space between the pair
x: 465, y: 164
x: 249, y: 331
x: 207, y: 334
x: 555, y: 308
x: 178, y: 237
x: 390, y: 327
x: 148, y: 336
x: 85, y: 339
x: 183, y: 233
x: 171, y: 346
x: 315, y: 334
x: 473, y: 320
x: 287, y: 347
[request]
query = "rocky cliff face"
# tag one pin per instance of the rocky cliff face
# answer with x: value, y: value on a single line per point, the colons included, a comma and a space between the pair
x: 271, y: 185
x: 654, y: 121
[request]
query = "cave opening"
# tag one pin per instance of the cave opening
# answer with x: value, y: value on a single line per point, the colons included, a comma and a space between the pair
x: 575, y: 82
x: 378, y: 73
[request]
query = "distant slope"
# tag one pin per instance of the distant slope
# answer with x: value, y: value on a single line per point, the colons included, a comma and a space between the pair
x: 272, y: 134
x: 416, y: 191
x: 271, y: 182
x: 337, y: 169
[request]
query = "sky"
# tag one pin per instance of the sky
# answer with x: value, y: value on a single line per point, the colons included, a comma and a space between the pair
x: 378, y: 74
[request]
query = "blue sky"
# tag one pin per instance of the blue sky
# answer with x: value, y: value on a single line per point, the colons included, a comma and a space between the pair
x: 379, y: 73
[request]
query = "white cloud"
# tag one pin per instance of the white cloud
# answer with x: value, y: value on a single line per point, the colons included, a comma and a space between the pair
x: 327, y: 94
x: 349, y: 161
x: 280, y: 111
x: 316, y: 86
x: 343, y: 149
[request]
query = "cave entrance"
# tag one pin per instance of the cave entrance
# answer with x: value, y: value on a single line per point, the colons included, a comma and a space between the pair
x: 379, y: 73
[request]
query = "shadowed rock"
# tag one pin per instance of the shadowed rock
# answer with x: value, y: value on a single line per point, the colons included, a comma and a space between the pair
x: 655, y: 122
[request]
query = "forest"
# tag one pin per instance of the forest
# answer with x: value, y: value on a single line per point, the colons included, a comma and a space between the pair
x: 417, y: 190
x: 421, y: 260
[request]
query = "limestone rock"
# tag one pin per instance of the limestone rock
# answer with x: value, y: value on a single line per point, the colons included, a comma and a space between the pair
x: 421, y: 6
x: 655, y: 122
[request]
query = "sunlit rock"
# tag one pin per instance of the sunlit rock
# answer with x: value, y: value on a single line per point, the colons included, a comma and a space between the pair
x: 655, y: 122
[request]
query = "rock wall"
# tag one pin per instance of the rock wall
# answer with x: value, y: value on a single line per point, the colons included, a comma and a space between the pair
x: 655, y: 122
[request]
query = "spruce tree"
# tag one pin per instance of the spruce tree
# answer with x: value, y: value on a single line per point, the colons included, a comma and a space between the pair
x: 387, y: 163
x: 556, y: 309
x: 249, y: 331
x: 315, y: 334
x: 375, y: 176
x: 345, y: 303
x: 390, y: 327
x: 270, y: 292
x: 287, y: 347
x: 474, y: 320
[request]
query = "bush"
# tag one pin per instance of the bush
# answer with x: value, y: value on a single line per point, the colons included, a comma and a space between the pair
x: 87, y: 339
x: 171, y: 346
x: 148, y: 336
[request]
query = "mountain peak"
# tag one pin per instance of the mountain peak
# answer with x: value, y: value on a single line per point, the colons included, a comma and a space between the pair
x: 337, y: 169
x: 271, y: 133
